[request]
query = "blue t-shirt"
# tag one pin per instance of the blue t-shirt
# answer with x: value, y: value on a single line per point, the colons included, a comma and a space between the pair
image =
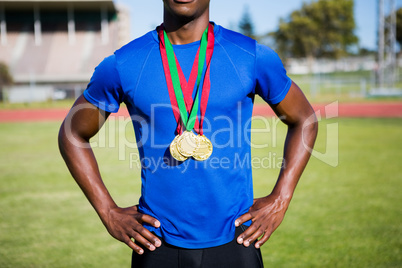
x: 196, y: 202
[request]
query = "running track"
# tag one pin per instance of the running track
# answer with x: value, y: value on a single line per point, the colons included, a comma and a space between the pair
x: 356, y: 110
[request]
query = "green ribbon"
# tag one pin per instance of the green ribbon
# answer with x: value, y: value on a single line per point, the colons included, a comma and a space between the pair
x: 188, y: 121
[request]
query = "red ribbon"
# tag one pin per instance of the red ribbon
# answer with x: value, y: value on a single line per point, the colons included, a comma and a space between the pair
x: 188, y: 87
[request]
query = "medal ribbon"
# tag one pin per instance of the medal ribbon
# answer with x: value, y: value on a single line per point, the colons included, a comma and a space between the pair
x: 180, y: 92
x: 207, y: 81
x: 188, y: 121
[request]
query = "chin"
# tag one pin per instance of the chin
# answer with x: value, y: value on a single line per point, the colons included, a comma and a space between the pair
x: 186, y: 10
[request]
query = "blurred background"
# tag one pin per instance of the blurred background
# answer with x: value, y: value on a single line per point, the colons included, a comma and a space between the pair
x: 347, y: 49
x: 344, y: 54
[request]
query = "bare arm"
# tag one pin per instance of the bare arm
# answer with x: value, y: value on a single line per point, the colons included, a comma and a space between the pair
x: 82, y: 122
x: 268, y: 212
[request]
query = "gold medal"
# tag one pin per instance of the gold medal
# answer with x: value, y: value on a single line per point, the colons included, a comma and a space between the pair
x: 187, y: 143
x: 204, y: 149
x: 175, y: 152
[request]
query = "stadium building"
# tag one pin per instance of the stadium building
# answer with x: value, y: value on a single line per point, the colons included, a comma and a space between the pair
x: 52, y: 47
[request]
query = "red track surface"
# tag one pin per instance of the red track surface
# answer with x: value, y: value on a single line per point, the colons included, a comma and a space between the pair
x: 371, y: 109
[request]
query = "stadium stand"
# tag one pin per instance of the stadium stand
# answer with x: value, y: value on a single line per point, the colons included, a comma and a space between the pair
x: 57, y: 44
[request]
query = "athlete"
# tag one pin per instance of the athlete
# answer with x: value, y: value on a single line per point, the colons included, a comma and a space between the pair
x: 189, y: 87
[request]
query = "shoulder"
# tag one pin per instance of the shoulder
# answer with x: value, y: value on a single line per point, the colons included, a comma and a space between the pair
x: 235, y: 41
x: 267, y: 57
x: 265, y: 51
x: 106, y: 68
x: 137, y: 47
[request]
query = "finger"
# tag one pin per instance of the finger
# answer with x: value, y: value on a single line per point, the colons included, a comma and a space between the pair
x: 253, y: 237
x: 264, y: 239
x: 151, y: 238
x: 144, y: 242
x: 242, y: 219
x: 246, y: 234
x: 134, y: 246
x: 145, y: 237
x: 144, y: 218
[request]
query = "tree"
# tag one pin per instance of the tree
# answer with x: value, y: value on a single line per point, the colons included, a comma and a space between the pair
x: 324, y: 28
x: 399, y: 26
x: 5, y: 78
x: 246, y: 24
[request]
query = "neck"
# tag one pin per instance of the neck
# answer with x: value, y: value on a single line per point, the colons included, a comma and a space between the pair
x: 181, y: 33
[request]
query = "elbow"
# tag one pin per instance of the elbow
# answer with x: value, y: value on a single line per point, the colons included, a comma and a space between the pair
x: 71, y: 139
x: 310, y: 126
x: 61, y: 139
x: 66, y: 139
x: 314, y: 124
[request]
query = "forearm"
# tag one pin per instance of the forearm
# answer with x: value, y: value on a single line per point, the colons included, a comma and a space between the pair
x: 297, y: 150
x: 124, y: 224
x: 82, y: 164
x: 267, y: 213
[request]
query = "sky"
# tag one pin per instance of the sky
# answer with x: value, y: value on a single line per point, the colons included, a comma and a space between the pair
x: 146, y: 15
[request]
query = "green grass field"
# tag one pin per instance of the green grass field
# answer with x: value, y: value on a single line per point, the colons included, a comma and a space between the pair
x: 319, y: 88
x: 344, y: 216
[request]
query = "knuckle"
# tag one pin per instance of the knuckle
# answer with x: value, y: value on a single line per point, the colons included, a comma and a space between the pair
x: 126, y: 240
x: 260, y: 232
x: 138, y: 216
x: 139, y: 228
x: 134, y: 235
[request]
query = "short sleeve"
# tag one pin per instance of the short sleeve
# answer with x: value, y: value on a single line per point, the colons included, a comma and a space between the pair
x: 104, y: 89
x: 272, y: 81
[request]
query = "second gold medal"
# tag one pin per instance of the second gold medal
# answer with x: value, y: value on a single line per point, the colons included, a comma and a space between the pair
x: 175, y: 152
